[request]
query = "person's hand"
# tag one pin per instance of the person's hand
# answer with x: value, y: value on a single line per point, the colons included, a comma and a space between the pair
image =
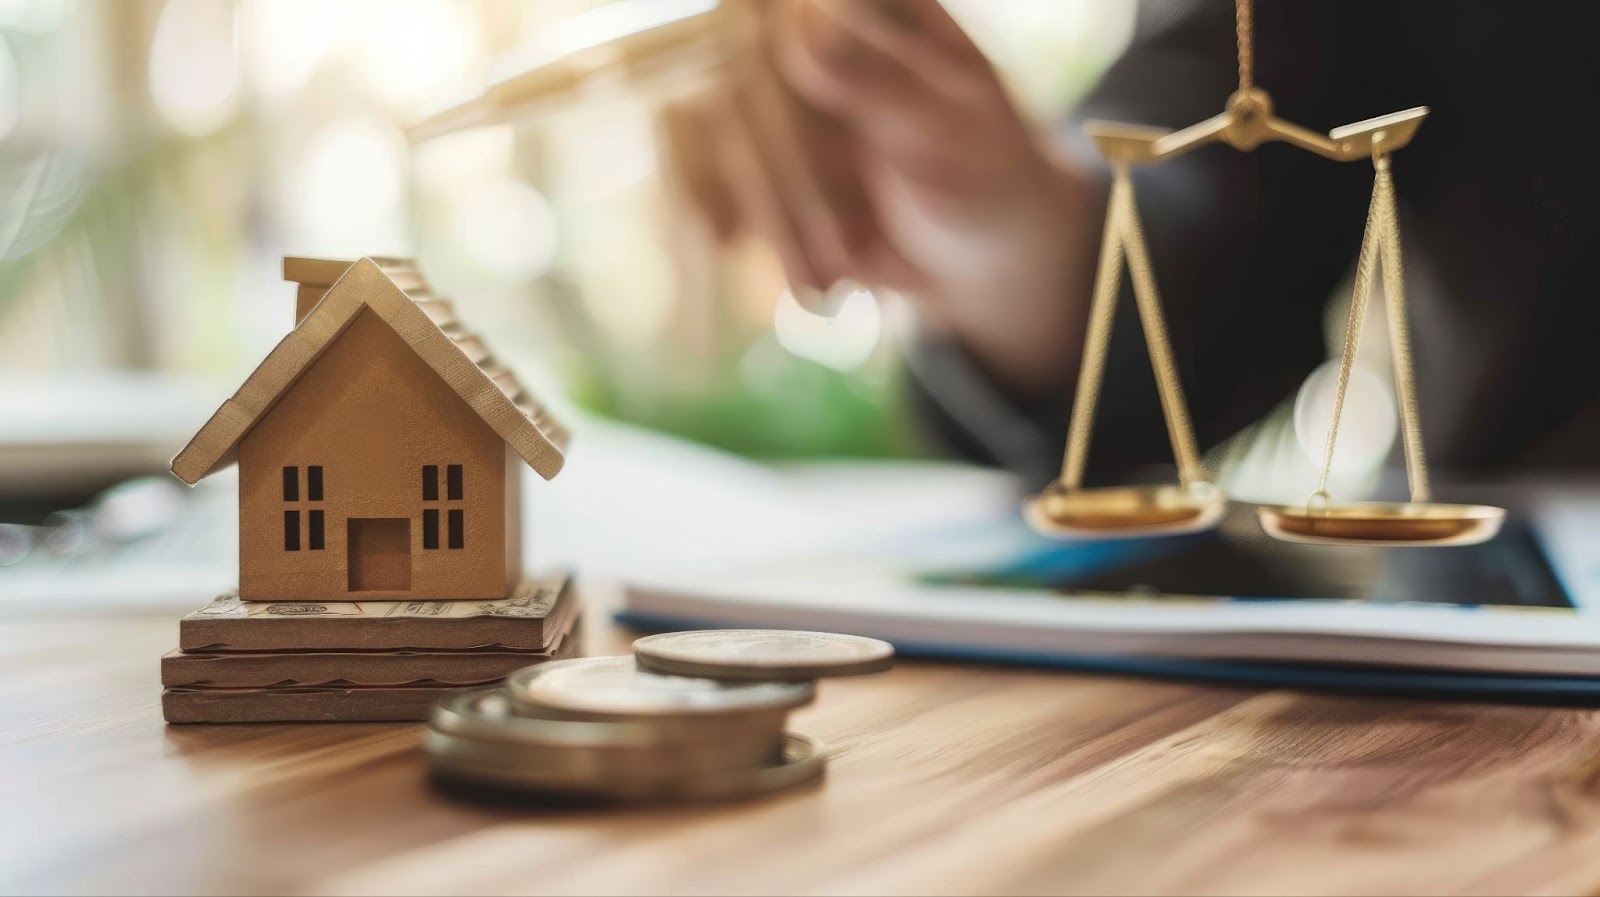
x: 871, y: 141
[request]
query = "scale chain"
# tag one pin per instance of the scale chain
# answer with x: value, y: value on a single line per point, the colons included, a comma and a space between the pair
x: 1244, y: 24
x: 1366, y: 267
x: 1124, y: 241
x: 1400, y: 336
x: 1380, y: 247
x: 1173, y: 405
x: 1107, y: 283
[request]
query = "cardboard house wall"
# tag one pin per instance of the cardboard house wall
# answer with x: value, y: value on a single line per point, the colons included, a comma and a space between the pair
x: 380, y: 454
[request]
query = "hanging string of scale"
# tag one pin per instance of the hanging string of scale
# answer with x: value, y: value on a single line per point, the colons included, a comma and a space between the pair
x: 1245, y: 29
x: 1065, y: 508
x: 1381, y: 240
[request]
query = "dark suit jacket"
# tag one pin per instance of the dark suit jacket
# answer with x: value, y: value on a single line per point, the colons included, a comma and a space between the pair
x: 1500, y: 217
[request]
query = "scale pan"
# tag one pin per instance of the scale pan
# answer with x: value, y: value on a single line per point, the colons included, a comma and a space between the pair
x: 1125, y: 512
x: 1402, y: 524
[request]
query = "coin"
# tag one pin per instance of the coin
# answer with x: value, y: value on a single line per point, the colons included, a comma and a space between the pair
x: 802, y: 759
x: 483, y: 725
x: 615, y: 687
x: 699, y: 727
x: 603, y: 762
x: 489, y: 714
x: 764, y: 654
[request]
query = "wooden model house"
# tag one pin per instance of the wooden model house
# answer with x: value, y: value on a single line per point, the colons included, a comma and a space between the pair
x: 380, y: 448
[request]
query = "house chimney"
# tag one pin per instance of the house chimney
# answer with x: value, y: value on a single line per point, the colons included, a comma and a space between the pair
x: 316, y: 275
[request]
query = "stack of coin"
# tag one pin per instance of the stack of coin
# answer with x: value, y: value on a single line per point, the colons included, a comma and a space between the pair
x: 693, y: 716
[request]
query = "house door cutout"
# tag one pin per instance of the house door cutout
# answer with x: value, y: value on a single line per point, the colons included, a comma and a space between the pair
x: 380, y: 554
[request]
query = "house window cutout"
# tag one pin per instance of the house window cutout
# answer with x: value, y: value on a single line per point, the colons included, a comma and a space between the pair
x: 379, y: 557
x: 430, y: 528
x: 455, y: 490
x: 457, y: 527
x: 317, y: 536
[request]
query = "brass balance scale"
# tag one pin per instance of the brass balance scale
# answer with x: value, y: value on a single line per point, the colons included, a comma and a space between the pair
x: 1066, y: 509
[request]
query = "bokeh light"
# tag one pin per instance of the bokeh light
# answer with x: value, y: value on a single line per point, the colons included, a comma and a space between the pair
x: 38, y: 16
x: 452, y: 164
x: 10, y: 89
x: 287, y: 40
x: 506, y: 228
x: 194, y: 72
x: 1367, y: 425
x: 406, y: 52
x: 346, y: 191
x: 417, y: 50
x: 602, y: 153
x: 632, y: 300
x: 843, y: 341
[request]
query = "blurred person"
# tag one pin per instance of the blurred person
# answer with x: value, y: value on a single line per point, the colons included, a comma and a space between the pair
x: 871, y: 141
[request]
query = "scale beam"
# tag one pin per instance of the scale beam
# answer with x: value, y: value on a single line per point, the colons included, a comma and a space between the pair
x: 1247, y: 123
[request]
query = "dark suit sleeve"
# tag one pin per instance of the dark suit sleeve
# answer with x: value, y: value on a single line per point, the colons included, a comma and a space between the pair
x: 1247, y: 247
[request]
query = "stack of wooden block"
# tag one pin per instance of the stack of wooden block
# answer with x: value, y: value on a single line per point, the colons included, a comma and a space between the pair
x: 282, y: 661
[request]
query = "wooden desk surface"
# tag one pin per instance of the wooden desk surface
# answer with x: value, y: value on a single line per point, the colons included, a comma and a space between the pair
x: 944, y: 779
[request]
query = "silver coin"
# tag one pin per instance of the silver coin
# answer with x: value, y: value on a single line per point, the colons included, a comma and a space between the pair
x: 766, y: 654
x: 611, y: 687
x: 604, y: 762
x: 802, y: 758
x: 699, y: 727
x: 485, y: 722
x: 489, y: 714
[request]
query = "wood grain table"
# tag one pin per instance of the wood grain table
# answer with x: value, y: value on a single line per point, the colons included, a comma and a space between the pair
x: 944, y: 779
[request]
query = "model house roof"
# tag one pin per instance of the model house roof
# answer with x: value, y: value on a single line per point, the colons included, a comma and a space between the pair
x: 394, y: 290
